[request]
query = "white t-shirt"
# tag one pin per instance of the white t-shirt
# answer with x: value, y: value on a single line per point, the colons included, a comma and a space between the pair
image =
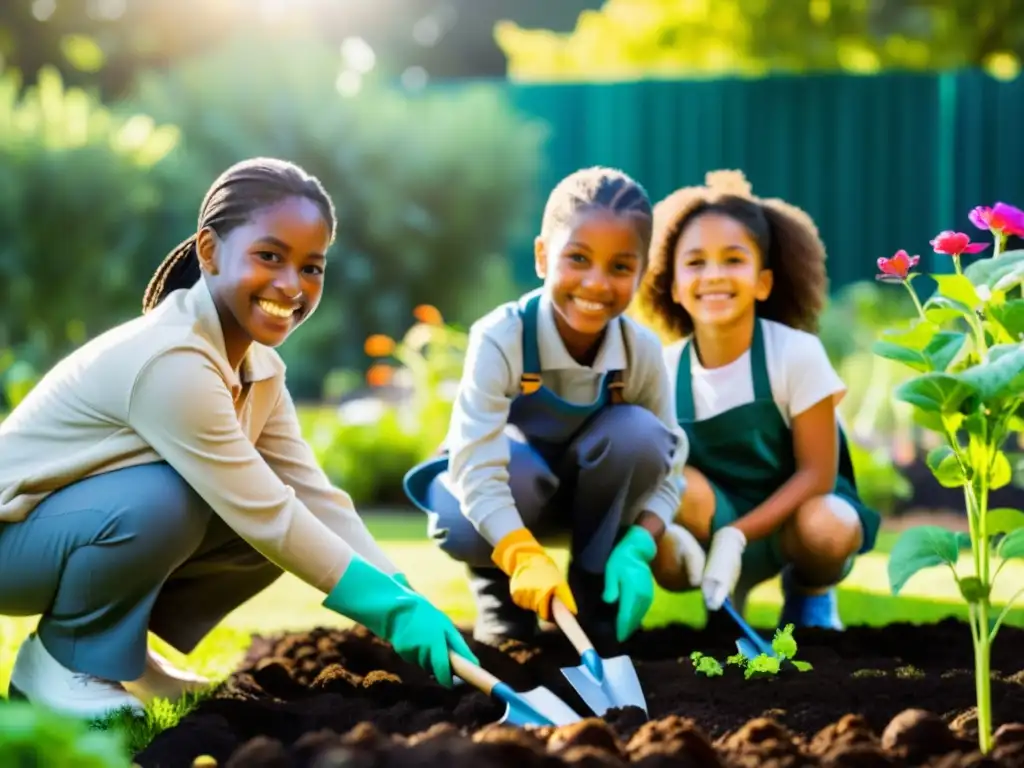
x: 798, y: 368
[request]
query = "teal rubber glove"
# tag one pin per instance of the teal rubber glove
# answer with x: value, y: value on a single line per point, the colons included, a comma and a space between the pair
x: 400, y: 578
x: 628, y: 579
x: 419, y: 632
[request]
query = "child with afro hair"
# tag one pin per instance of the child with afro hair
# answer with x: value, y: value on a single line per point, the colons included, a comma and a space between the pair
x: 738, y: 283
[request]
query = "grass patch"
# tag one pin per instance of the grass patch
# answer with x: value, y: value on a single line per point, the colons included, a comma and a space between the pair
x: 137, y: 732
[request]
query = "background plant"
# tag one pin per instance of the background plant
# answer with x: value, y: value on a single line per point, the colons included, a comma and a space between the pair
x: 965, y: 347
x: 394, y: 417
x: 34, y: 736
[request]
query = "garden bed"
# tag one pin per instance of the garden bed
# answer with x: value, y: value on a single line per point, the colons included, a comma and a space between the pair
x: 343, y: 698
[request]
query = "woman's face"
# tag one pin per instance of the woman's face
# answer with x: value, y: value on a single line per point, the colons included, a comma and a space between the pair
x: 267, y: 275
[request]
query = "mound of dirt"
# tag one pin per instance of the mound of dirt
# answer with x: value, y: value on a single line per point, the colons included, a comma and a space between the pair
x: 900, y: 695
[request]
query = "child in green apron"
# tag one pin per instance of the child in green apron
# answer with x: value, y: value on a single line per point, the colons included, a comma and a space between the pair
x: 740, y: 283
x: 564, y: 421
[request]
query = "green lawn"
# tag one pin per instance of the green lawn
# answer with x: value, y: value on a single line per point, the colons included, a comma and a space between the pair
x: 291, y: 605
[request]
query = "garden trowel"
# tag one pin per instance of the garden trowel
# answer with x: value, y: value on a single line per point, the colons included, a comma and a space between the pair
x: 602, y: 683
x: 538, y: 706
x: 753, y: 644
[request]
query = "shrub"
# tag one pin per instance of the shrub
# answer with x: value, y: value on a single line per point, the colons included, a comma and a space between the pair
x: 430, y: 187
x: 78, y: 202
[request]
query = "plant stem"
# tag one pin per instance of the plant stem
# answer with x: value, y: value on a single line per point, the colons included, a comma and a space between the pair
x: 1003, y: 614
x: 956, y: 264
x: 917, y: 301
x: 982, y: 659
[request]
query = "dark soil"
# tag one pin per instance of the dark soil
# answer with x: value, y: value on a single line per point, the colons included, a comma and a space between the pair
x: 333, y: 698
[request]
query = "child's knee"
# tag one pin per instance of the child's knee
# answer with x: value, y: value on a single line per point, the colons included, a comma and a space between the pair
x: 824, y: 529
x: 697, y: 507
x: 629, y: 439
x: 531, y: 481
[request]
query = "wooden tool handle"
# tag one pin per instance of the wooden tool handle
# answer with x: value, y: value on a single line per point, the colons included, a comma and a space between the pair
x: 570, y: 627
x: 476, y: 676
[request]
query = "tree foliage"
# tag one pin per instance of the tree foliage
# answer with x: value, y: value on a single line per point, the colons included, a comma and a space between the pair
x: 631, y: 39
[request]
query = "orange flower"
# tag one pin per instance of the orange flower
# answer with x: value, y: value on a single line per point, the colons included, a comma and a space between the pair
x: 379, y: 375
x: 428, y: 314
x: 379, y: 345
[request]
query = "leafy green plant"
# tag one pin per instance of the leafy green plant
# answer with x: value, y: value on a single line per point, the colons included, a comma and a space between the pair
x: 706, y: 665
x: 965, y: 347
x: 33, y: 736
x: 762, y: 665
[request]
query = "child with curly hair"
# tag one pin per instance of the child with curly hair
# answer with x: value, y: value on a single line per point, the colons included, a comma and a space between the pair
x: 739, y: 282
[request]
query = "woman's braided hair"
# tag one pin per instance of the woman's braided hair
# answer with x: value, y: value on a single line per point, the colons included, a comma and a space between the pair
x: 786, y: 236
x: 240, y: 191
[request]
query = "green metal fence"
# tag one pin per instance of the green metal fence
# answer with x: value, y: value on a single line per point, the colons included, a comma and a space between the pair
x: 880, y: 162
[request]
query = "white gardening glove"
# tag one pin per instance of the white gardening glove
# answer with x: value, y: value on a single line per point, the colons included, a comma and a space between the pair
x: 723, y: 566
x: 684, y: 551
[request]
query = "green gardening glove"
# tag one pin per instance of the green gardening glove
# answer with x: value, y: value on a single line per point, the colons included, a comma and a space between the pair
x: 419, y: 632
x: 628, y: 579
x: 400, y: 578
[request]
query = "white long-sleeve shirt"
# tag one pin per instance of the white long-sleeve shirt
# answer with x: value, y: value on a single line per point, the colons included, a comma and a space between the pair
x: 478, y: 448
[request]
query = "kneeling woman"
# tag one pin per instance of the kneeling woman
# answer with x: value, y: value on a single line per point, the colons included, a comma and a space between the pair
x: 156, y: 478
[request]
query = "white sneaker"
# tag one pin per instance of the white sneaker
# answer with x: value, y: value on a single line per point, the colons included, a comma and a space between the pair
x: 44, y: 681
x: 162, y: 680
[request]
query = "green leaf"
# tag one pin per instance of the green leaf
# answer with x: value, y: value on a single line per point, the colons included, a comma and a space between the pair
x: 1003, y: 520
x: 990, y: 271
x: 1000, y: 376
x: 783, y: 642
x: 1012, y: 545
x: 943, y: 347
x: 936, y: 422
x: 1001, y: 473
x: 1009, y: 315
x: 911, y: 357
x: 959, y: 289
x: 963, y: 541
x: 973, y: 590
x: 941, y: 309
x: 922, y: 547
x: 917, y: 337
x: 943, y: 463
x: 802, y: 666
x: 936, y: 392
x: 935, y: 355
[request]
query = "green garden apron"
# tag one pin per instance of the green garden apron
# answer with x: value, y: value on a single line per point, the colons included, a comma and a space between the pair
x: 746, y: 453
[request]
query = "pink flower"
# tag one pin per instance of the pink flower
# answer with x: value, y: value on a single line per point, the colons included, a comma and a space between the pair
x: 1001, y: 219
x: 898, y: 267
x: 956, y: 243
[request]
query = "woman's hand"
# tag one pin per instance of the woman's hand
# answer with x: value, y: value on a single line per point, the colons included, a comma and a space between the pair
x: 420, y: 633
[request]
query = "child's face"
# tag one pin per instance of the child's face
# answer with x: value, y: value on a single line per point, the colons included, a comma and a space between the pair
x: 718, y: 274
x: 268, y: 272
x: 591, y: 269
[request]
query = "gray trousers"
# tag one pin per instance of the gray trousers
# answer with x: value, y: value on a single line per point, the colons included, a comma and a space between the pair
x: 593, y: 488
x: 108, y: 558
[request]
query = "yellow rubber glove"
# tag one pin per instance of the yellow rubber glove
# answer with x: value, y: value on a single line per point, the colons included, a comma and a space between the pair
x: 535, y: 578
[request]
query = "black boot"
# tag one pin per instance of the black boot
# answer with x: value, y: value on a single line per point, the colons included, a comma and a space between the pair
x: 596, y: 617
x: 498, y: 618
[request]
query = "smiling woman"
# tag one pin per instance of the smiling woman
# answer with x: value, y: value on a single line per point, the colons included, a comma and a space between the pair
x: 265, y: 272
x: 157, y: 478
